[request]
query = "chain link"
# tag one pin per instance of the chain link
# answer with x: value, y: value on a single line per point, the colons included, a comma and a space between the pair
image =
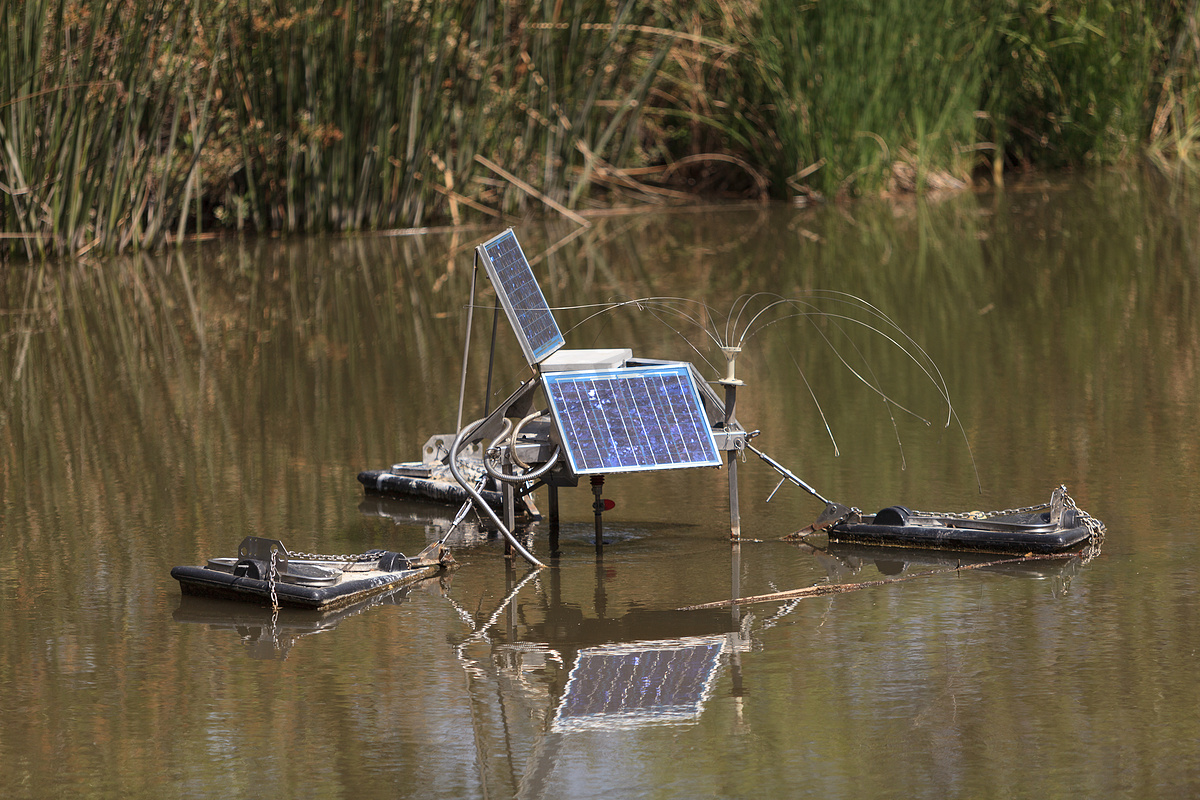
x: 272, y: 577
x: 346, y: 558
x: 983, y: 514
x: 1095, y: 527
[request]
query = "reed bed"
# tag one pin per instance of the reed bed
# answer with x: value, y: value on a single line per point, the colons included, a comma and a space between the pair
x: 127, y: 124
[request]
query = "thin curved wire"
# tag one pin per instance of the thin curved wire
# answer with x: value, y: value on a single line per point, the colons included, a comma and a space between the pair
x: 745, y: 321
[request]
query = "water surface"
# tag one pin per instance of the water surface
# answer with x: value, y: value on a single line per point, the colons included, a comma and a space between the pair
x: 156, y: 409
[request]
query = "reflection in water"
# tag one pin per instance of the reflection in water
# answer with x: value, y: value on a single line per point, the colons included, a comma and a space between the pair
x: 437, y: 519
x: 271, y: 634
x: 844, y: 561
x: 545, y: 680
x: 535, y: 680
x: 639, y: 683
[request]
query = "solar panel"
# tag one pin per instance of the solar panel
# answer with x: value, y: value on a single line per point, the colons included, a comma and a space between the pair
x: 521, y: 297
x: 628, y: 420
x: 623, y: 685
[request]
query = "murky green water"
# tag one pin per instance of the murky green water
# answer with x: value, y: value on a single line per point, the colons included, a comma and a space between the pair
x: 155, y: 410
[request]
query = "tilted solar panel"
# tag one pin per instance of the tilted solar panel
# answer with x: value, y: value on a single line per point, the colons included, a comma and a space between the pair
x: 521, y: 297
x: 627, y: 420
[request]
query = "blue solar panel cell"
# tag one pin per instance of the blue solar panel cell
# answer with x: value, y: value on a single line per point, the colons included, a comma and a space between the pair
x: 521, y: 297
x: 631, y: 419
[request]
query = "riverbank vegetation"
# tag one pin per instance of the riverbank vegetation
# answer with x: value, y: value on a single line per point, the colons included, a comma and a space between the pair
x: 125, y: 124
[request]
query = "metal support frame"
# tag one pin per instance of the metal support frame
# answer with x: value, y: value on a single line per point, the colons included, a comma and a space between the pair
x: 489, y: 426
x: 553, y: 511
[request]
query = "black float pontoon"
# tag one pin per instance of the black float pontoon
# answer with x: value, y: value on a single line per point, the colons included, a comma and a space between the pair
x: 431, y: 479
x: 265, y: 573
x: 1055, y: 527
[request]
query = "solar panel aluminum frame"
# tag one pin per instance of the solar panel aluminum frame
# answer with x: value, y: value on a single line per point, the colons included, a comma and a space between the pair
x: 536, y: 329
x: 676, y: 436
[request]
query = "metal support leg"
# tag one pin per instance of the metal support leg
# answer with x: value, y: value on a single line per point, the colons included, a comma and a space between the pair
x: 510, y: 506
x: 510, y: 511
x: 735, y: 517
x: 554, y: 551
x: 598, y: 507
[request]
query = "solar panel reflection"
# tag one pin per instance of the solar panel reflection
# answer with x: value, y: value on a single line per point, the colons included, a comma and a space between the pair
x: 639, y: 683
x: 631, y: 419
x: 521, y: 297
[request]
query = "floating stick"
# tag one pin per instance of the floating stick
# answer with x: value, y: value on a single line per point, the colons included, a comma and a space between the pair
x: 838, y: 588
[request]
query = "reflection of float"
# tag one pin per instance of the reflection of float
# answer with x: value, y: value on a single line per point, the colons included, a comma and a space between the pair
x: 436, y: 519
x: 843, y: 558
x: 271, y: 633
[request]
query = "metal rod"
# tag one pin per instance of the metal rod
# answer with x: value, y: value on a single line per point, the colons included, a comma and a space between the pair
x: 462, y: 513
x: 487, y: 395
x: 510, y: 500
x: 785, y: 472
x: 462, y: 386
x: 598, y: 507
x: 553, y: 511
x: 735, y: 516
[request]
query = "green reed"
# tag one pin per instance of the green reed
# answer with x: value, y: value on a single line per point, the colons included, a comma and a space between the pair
x: 862, y: 89
x: 372, y: 117
x: 129, y: 124
x: 125, y: 123
x: 91, y: 155
x: 1069, y: 81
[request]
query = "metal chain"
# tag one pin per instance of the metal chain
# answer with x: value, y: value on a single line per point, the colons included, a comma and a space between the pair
x: 983, y: 514
x: 999, y: 513
x: 1095, y: 527
x: 272, y: 575
x: 320, y: 557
